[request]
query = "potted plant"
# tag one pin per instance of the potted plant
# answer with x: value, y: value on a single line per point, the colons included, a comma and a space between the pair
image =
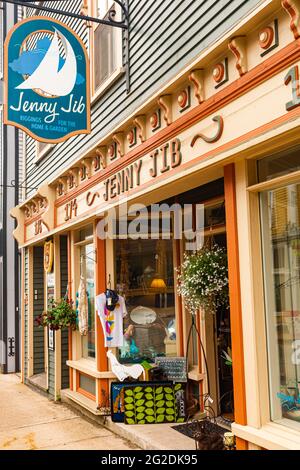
x: 60, y: 315
x: 203, y: 279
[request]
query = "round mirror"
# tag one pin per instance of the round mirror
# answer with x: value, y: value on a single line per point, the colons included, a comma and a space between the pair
x: 143, y: 315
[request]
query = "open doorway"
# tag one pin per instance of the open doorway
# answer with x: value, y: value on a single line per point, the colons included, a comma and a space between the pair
x: 210, y: 351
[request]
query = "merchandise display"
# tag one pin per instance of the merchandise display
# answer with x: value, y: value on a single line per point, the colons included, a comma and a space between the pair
x: 111, y: 309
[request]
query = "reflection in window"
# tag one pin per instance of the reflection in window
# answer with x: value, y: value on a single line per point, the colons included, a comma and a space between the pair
x: 280, y: 210
x: 145, y: 277
x: 87, y: 262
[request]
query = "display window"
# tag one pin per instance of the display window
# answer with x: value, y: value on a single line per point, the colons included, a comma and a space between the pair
x: 145, y: 277
x: 85, y: 285
x: 280, y: 219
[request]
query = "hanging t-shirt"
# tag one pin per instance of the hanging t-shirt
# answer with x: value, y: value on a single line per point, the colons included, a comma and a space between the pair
x: 111, y: 320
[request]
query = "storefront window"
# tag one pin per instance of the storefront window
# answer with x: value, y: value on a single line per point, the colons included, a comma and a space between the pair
x: 87, y: 271
x: 280, y: 215
x: 145, y: 277
x: 87, y: 260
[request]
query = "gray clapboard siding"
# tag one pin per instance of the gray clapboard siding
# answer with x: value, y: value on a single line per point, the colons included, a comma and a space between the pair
x: 51, y: 372
x: 38, y: 307
x: 165, y: 35
x: 64, y: 333
x: 26, y: 282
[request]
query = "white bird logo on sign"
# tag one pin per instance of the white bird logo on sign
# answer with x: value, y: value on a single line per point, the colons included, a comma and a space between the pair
x: 47, y: 77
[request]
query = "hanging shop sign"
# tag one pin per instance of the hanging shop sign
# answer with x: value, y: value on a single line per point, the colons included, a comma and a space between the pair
x: 47, y: 90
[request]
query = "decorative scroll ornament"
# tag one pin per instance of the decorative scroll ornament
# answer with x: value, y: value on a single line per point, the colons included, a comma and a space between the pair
x: 237, y: 46
x: 99, y: 161
x: 220, y: 73
x: 197, y: 78
x: 166, y: 104
x: 140, y: 122
x: 292, y: 7
x: 48, y: 256
x: 118, y: 138
x: 210, y: 140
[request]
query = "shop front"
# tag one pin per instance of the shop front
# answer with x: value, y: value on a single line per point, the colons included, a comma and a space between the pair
x: 222, y: 137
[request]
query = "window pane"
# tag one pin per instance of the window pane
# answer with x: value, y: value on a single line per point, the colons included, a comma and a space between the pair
x: 104, y: 53
x: 87, y: 256
x: 145, y: 277
x: 280, y: 211
x: 278, y: 165
x: 87, y: 383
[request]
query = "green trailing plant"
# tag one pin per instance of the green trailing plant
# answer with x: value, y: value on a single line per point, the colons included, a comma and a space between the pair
x: 203, y: 279
x: 60, y: 314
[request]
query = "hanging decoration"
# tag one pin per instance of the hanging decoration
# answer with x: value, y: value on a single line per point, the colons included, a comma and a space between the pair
x: 203, y: 279
x: 82, y: 308
x: 48, y: 256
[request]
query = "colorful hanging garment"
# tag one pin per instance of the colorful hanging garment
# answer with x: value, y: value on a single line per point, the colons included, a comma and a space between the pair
x: 111, y: 320
x: 83, y: 309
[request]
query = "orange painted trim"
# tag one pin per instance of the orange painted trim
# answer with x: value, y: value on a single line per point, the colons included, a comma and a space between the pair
x: 33, y: 219
x: 88, y: 91
x: 22, y: 315
x: 241, y: 444
x: 70, y: 338
x: 239, y: 392
x: 179, y: 303
x: 259, y: 74
x: 101, y: 350
x: 86, y: 394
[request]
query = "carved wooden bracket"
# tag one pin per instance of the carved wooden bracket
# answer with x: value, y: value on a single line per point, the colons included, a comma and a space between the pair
x: 19, y: 215
x: 27, y: 211
x: 118, y: 138
x: 73, y: 178
x: 100, y: 160
x: 49, y: 194
x: 292, y: 7
x: 165, y: 102
x: 85, y: 169
x: 61, y: 187
x: 238, y: 46
x: 197, y: 78
x: 140, y: 122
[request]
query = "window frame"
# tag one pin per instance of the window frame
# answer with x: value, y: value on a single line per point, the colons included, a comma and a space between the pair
x: 262, y: 415
x: 272, y: 336
x: 96, y: 93
x: 41, y: 154
x: 77, y: 245
x: 178, y: 332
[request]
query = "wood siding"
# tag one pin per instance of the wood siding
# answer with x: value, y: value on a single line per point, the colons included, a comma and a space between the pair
x: 165, y: 36
x: 26, y: 276
x: 38, y: 307
x: 64, y: 333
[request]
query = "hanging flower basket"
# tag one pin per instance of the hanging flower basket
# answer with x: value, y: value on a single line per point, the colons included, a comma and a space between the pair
x: 203, y: 279
x: 60, y: 315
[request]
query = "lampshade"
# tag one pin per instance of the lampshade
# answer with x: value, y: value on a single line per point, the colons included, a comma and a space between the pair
x: 158, y: 283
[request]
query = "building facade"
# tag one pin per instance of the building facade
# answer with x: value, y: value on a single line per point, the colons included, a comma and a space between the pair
x: 211, y: 118
x: 10, y: 194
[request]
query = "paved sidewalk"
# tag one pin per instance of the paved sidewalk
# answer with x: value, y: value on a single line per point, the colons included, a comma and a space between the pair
x: 29, y: 421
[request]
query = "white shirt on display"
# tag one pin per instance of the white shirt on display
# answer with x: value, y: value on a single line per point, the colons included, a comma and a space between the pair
x: 111, y: 320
